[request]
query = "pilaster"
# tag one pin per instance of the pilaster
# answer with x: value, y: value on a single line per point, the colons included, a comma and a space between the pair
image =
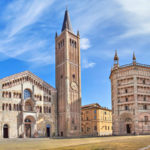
x: 135, y: 106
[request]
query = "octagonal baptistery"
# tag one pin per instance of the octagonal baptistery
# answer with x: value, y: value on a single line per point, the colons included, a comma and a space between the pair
x: 130, y: 94
x: 27, y: 107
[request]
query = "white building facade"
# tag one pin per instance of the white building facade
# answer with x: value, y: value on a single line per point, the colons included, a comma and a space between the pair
x: 27, y: 107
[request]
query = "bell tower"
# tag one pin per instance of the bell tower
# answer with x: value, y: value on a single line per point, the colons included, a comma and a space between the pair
x: 68, y: 79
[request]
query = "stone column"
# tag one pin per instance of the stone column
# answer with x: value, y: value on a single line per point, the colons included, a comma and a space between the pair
x: 116, y: 108
x: 23, y: 108
x: 22, y: 97
x: 136, y: 126
x: 34, y: 108
x: 67, y: 82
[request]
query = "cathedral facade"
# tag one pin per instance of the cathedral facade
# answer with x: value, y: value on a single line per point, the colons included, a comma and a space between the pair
x: 130, y: 90
x: 27, y: 107
x: 30, y: 107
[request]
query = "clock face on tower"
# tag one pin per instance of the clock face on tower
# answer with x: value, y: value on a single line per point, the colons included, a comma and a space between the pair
x: 74, y: 86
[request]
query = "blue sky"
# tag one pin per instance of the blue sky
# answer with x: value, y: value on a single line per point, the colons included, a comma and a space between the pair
x: 27, y: 38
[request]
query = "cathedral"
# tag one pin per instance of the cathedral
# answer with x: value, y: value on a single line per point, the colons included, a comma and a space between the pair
x: 30, y: 107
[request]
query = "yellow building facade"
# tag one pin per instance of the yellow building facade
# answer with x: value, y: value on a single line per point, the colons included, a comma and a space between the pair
x: 96, y: 120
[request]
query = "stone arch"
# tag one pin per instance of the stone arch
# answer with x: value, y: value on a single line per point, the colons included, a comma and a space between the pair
x: 14, y: 107
x: 9, y: 94
x: 126, y: 123
x: 6, y: 131
x: 3, y: 107
x: 48, y: 130
x: 40, y: 109
x: 29, y: 126
x: 6, y: 106
x: 29, y: 105
x: 9, y: 107
x: 17, y: 107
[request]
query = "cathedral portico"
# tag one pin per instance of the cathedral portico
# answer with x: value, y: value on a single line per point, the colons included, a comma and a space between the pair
x: 30, y: 127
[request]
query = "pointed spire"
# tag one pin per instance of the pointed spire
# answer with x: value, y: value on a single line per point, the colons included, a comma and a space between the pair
x: 134, y: 58
x: 116, y: 58
x: 66, y: 22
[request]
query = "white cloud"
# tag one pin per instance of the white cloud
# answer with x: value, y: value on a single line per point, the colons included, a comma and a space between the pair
x: 84, y: 43
x: 86, y: 64
x: 89, y: 19
x: 92, y: 15
x: 136, y: 16
x: 27, y: 13
x: 28, y: 46
x: 132, y: 15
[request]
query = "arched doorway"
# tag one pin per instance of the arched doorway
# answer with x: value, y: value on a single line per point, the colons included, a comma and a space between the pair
x: 5, y: 131
x: 29, y: 126
x: 48, y: 130
x: 126, y: 124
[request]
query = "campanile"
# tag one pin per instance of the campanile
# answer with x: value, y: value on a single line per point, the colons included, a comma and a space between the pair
x: 68, y: 79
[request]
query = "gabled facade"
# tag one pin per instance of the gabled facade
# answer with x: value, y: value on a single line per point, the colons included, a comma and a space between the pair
x: 27, y: 107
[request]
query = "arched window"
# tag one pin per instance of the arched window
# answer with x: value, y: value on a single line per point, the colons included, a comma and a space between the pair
x: 27, y: 94
x: 3, y: 106
x: 40, y: 109
x: 49, y: 110
x: 145, y: 107
x: 44, y: 109
x: 9, y: 94
x: 9, y: 106
x: 6, y: 106
x: 14, y: 106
